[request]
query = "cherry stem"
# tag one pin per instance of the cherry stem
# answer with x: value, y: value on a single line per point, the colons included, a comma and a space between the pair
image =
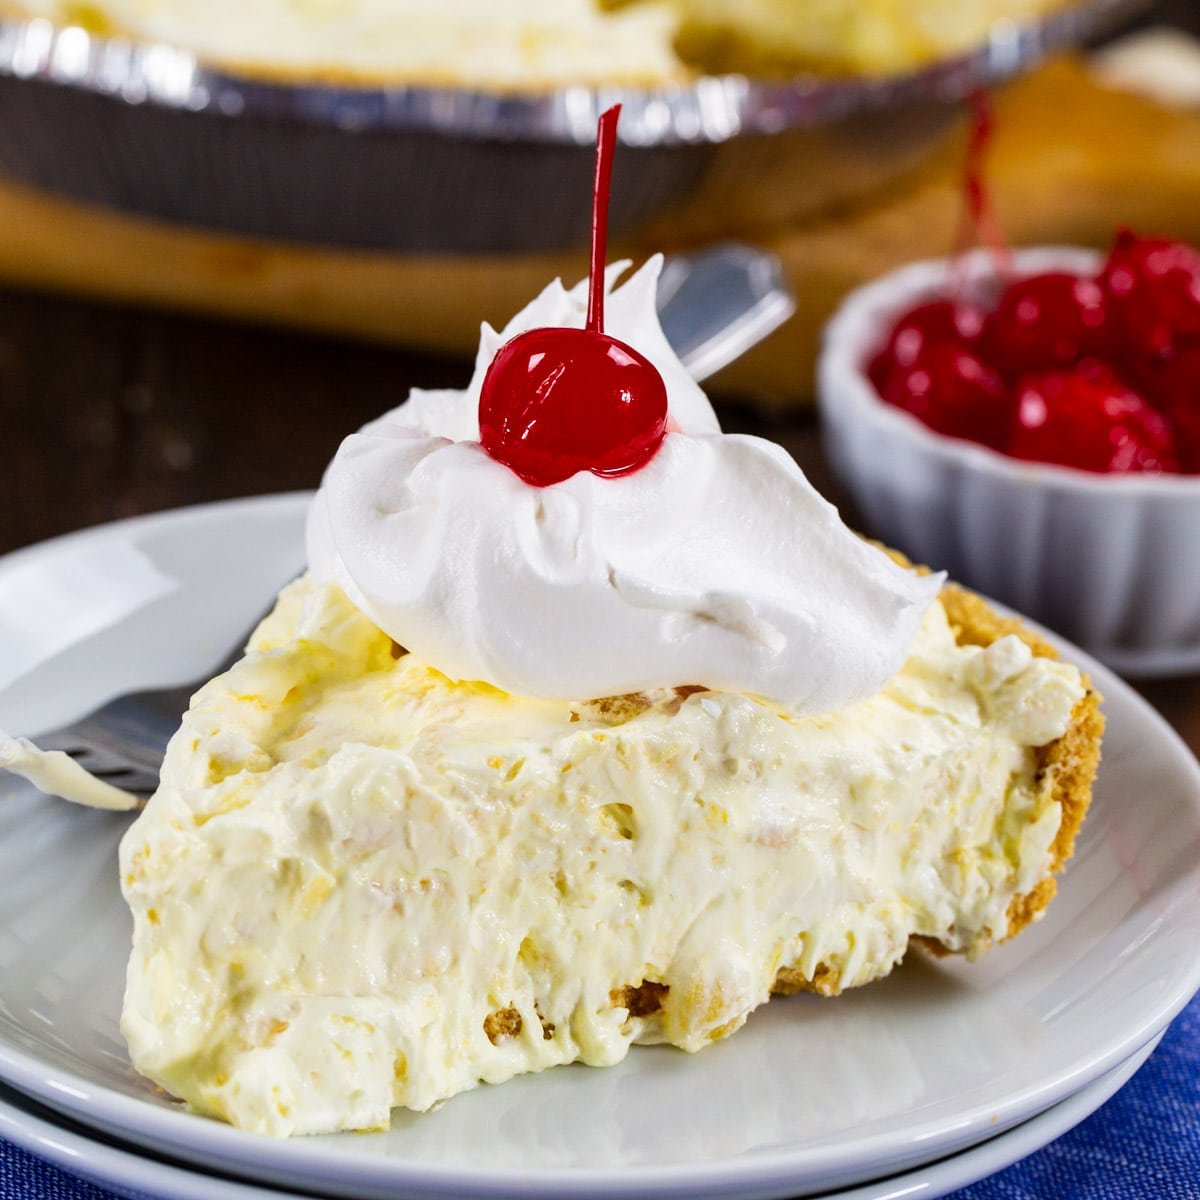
x: 606, y: 144
x: 979, y: 223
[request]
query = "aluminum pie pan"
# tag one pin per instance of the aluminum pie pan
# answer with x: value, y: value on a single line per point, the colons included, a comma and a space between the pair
x: 150, y: 129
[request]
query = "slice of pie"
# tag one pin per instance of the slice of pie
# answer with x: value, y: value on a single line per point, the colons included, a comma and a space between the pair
x: 363, y: 885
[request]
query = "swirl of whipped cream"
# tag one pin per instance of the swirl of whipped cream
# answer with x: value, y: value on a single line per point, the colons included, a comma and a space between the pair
x: 716, y: 564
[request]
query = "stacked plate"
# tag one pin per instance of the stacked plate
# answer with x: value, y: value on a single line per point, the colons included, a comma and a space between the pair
x: 939, y: 1075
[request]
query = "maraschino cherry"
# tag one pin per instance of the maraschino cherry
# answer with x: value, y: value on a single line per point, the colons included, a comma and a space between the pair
x: 952, y: 391
x: 922, y: 327
x: 979, y: 222
x: 1153, y: 288
x: 1087, y: 417
x: 1172, y: 385
x: 1045, y: 321
x: 557, y: 401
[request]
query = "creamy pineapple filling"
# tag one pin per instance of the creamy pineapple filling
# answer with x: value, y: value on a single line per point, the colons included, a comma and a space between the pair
x: 547, y: 43
x: 461, y: 43
x: 363, y: 885
x: 840, y: 36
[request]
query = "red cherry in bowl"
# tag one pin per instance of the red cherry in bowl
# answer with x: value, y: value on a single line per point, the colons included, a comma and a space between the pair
x: 928, y: 324
x: 1045, y: 321
x: 954, y: 392
x: 1087, y: 417
x: 1172, y: 384
x: 934, y: 321
x: 1153, y: 291
x: 559, y: 401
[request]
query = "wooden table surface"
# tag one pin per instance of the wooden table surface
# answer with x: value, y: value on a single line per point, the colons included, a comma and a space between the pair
x: 106, y: 412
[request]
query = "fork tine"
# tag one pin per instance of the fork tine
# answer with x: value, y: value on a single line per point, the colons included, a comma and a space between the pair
x: 81, y: 754
x: 138, y: 785
x: 100, y: 761
x: 116, y: 775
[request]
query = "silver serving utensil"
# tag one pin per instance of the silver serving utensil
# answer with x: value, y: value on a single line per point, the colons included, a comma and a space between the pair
x: 714, y: 305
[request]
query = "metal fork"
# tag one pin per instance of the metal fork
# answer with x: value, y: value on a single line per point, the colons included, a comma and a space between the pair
x: 713, y: 305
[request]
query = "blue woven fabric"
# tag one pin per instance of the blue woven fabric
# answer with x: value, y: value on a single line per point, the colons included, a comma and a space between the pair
x: 1144, y: 1144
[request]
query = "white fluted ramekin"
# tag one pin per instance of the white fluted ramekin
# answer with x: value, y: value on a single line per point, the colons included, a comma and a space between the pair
x: 1110, y: 561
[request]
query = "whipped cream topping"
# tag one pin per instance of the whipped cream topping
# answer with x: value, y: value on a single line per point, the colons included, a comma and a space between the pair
x: 716, y: 564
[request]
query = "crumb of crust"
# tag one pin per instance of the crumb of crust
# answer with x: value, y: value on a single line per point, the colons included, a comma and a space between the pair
x: 501, y: 1024
x: 548, y: 1027
x: 826, y: 981
x: 616, y: 710
x: 642, y: 1000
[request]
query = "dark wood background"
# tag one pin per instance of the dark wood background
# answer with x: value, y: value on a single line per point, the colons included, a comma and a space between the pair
x: 108, y: 411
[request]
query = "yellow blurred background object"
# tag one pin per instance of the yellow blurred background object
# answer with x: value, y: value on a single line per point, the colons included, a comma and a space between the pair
x: 532, y: 44
x: 837, y: 37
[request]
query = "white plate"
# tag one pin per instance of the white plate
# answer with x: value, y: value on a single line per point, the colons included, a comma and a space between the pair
x: 812, y: 1095
x: 134, y: 1176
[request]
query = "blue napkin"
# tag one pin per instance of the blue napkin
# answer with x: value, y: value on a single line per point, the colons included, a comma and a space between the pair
x: 1144, y: 1144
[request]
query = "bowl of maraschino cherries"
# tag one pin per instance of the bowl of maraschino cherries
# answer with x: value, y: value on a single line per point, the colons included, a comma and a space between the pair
x: 1030, y: 421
